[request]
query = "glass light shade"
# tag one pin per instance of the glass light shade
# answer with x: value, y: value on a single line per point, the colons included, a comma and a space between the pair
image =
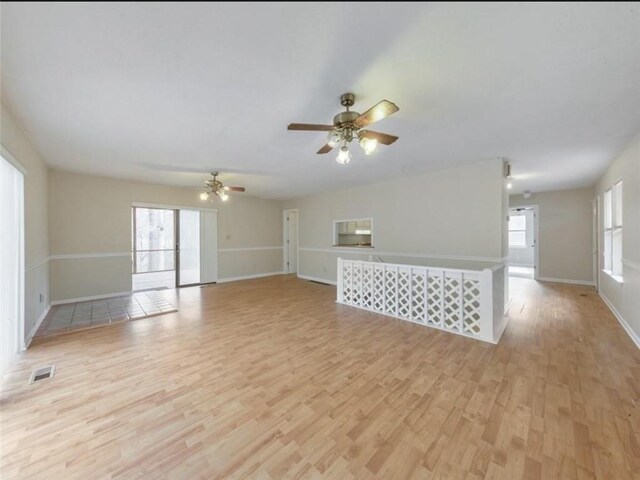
x: 333, y: 139
x: 368, y: 145
x: 344, y: 156
x: 223, y: 196
x: 509, y: 186
x: 204, y: 196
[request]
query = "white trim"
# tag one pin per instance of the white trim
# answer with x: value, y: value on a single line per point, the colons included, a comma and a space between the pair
x: 318, y: 279
x: 68, y: 256
x: 520, y: 265
x: 248, y: 277
x: 6, y: 154
x: 248, y: 249
x: 170, y: 207
x: 616, y: 278
x: 634, y: 337
x: 589, y: 283
x: 631, y: 264
x: 367, y: 251
x: 92, y: 297
x: 36, y: 265
x: 27, y: 341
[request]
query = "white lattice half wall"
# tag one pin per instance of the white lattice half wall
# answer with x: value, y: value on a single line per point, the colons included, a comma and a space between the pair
x: 458, y: 301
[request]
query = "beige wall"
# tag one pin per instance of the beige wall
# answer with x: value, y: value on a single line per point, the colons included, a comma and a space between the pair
x: 565, y: 233
x: 14, y: 139
x: 454, y: 217
x: 625, y: 297
x: 90, y: 217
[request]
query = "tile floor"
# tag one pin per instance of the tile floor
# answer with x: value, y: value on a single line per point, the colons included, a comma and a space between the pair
x: 75, y: 316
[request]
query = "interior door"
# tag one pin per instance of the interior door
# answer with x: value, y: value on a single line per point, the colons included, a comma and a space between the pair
x: 292, y: 241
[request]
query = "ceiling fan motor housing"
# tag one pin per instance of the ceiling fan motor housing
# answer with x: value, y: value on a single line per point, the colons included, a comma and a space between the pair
x: 345, y: 118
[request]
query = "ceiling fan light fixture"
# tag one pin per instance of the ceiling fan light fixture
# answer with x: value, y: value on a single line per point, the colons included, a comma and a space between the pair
x: 223, y: 196
x: 333, y: 139
x: 344, y: 156
x: 368, y: 145
x: 204, y: 196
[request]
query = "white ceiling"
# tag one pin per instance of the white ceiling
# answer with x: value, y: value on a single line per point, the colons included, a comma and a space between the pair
x: 149, y: 91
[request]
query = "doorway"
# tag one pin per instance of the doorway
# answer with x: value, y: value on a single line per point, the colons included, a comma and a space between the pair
x: 173, y: 247
x: 523, y: 242
x: 11, y: 261
x: 290, y: 241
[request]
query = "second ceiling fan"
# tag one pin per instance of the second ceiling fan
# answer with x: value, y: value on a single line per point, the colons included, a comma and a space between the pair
x: 348, y: 125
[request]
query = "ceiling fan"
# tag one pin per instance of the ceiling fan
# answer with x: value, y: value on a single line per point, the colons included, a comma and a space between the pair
x: 215, y: 187
x: 349, y: 125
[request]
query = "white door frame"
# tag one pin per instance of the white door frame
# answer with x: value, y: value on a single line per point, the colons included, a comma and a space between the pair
x: 285, y: 238
x: 20, y: 307
x: 183, y: 207
x: 536, y: 237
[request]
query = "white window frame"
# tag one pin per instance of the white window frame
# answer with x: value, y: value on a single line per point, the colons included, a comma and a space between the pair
x: 612, y: 205
x: 334, y: 239
x: 526, y: 245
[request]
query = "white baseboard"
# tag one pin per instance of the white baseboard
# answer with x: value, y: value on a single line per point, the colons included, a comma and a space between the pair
x: 564, y: 280
x: 521, y: 265
x: 27, y: 341
x: 248, y: 277
x: 317, y: 279
x: 93, y: 297
x: 634, y: 338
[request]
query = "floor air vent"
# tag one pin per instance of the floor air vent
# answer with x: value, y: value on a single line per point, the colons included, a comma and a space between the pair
x: 42, y: 373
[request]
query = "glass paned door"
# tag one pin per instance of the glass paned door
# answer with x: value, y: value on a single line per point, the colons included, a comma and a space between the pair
x: 154, y: 248
x: 189, y: 247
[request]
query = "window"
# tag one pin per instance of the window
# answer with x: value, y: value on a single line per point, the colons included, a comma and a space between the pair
x: 612, y: 215
x: 353, y: 233
x: 518, y: 230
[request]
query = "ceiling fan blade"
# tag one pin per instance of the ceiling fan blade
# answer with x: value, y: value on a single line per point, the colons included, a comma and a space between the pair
x: 383, y: 138
x: 310, y: 127
x: 379, y: 111
x: 326, y: 149
x: 234, y: 189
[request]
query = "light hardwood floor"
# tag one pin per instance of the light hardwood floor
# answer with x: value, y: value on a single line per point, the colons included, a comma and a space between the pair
x: 271, y: 379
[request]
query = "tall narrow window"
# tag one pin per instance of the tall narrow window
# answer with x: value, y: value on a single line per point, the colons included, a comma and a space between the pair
x: 613, y: 231
x: 518, y: 230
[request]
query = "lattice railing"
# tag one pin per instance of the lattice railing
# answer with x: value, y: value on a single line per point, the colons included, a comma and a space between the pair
x: 459, y: 301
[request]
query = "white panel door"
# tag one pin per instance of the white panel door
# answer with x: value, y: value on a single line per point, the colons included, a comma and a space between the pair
x: 292, y: 245
x: 208, y: 246
x: 11, y: 263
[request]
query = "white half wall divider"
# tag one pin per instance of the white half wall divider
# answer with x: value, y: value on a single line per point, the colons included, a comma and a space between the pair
x: 465, y: 302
